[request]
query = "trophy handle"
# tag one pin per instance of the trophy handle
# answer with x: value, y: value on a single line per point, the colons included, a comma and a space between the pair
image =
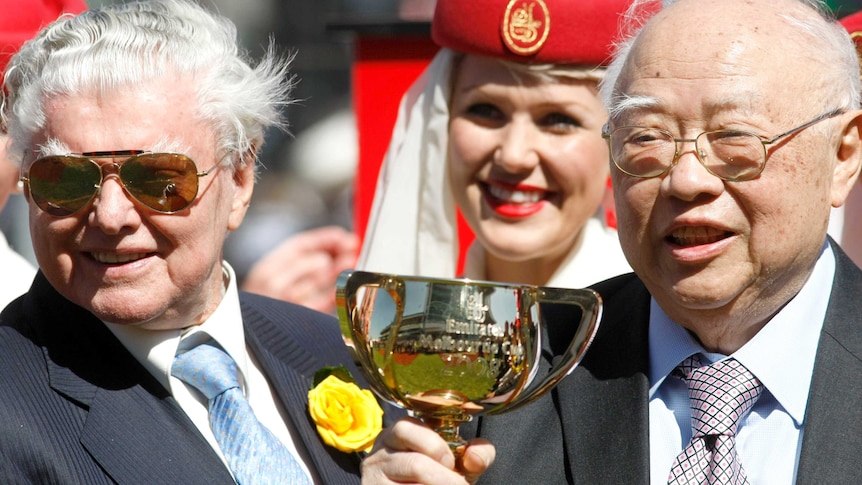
x: 346, y: 290
x: 590, y: 303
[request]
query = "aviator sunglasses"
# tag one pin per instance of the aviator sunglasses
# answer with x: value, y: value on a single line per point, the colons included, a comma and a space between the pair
x: 62, y: 185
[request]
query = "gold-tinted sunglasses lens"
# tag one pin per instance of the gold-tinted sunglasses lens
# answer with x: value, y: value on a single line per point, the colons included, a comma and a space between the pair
x: 164, y: 182
x: 61, y: 185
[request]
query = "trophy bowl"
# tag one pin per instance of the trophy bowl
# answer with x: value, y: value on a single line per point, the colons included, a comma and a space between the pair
x: 449, y: 349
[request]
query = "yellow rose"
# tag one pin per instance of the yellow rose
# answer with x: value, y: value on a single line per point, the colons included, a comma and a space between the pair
x: 347, y: 417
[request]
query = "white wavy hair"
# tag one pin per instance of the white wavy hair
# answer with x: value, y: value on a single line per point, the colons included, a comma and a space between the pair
x: 128, y: 44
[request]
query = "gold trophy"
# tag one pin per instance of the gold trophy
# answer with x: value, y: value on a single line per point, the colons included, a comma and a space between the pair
x: 449, y: 349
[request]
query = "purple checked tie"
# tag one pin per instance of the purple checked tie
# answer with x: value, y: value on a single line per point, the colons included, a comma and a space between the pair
x: 254, y: 454
x: 720, y: 394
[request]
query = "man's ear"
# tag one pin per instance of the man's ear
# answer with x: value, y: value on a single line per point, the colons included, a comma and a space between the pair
x: 243, y: 177
x: 848, y: 159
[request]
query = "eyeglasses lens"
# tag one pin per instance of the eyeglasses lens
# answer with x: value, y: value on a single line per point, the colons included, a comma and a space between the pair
x: 642, y: 152
x: 61, y: 186
x: 164, y: 182
x: 735, y: 155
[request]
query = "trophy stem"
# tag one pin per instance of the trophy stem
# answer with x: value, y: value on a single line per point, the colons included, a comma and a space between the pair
x: 447, y: 428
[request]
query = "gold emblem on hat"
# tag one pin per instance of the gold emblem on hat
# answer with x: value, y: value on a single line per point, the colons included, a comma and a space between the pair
x: 857, y: 40
x: 525, y: 26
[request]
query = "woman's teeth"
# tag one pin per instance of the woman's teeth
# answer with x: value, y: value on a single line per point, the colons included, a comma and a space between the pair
x: 515, y: 196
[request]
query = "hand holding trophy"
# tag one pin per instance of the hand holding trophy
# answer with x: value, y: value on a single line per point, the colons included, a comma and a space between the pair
x: 449, y: 349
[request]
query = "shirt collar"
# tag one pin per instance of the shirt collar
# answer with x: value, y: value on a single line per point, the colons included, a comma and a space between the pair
x: 156, y: 349
x: 781, y: 355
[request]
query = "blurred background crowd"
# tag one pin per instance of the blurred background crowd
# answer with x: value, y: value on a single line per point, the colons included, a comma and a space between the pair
x: 309, y: 176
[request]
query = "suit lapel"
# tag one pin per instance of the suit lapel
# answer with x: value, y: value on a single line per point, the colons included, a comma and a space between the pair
x: 131, y: 426
x: 833, y: 419
x: 121, y: 434
x: 593, y: 427
x: 284, y: 353
x: 605, y: 411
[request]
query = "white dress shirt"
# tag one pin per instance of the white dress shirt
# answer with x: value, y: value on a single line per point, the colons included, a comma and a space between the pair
x: 155, y: 350
x: 781, y: 355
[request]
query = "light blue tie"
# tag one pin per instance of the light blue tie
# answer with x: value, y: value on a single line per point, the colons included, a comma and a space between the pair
x: 254, y: 454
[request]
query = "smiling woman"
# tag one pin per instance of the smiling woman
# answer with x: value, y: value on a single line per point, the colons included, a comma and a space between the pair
x: 504, y: 125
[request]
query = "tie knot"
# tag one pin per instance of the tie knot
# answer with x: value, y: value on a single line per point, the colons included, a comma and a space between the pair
x: 208, y: 368
x: 720, y: 394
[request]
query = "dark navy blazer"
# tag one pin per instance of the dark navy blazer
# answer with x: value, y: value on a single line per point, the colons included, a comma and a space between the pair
x: 77, y: 408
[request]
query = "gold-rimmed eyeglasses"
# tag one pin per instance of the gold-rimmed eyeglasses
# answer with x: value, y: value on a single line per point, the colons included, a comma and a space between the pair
x: 62, y: 185
x: 732, y: 155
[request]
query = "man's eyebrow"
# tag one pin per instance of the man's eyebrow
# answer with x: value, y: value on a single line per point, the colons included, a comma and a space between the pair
x: 625, y: 103
x: 745, y: 103
x: 53, y: 147
x: 166, y: 144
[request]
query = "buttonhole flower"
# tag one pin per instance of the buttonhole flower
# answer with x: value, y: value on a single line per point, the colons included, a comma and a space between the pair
x: 347, y: 418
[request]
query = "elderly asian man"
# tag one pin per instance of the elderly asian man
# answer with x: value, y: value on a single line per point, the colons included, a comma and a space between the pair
x: 732, y: 354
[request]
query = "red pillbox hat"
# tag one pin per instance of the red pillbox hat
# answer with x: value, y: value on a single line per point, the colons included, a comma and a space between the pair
x: 22, y: 19
x: 533, y: 31
x: 853, y: 24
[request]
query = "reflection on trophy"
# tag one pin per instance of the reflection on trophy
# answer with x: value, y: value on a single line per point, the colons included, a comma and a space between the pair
x: 449, y: 349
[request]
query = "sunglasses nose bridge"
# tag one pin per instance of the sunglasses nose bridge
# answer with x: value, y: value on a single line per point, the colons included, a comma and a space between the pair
x: 112, y: 196
x: 106, y: 171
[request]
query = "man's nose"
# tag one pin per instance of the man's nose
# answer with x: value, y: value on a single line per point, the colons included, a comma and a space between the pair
x: 113, y: 209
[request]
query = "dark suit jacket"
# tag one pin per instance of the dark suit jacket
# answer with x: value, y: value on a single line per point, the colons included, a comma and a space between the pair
x: 76, y: 407
x: 593, y: 428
